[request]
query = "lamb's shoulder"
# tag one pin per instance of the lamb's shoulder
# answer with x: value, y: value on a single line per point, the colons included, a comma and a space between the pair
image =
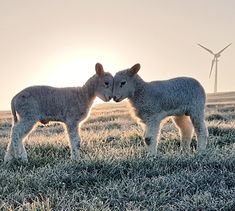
x: 144, y: 107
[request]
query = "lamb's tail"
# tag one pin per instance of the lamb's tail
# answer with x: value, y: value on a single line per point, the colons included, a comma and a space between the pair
x: 13, y: 111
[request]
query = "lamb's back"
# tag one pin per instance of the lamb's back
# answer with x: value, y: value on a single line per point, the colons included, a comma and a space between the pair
x: 46, y: 100
x: 177, y: 92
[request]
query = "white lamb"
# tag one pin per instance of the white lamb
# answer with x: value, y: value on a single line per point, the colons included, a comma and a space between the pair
x: 69, y: 105
x: 182, y: 98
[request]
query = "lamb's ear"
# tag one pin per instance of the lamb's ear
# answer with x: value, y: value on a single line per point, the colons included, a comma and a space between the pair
x: 133, y: 70
x: 99, y: 69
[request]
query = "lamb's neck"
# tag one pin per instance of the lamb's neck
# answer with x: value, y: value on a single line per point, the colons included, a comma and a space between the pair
x: 88, y: 90
x: 140, y: 90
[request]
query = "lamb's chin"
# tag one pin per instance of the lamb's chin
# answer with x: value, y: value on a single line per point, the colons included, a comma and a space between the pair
x: 119, y: 100
x: 104, y: 98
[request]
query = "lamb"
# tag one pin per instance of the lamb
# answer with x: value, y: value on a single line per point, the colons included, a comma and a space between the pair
x: 183, y: 98
x: 69, y: 105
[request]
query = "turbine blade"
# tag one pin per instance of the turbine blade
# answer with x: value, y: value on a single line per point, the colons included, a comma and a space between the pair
x: 224, y: 48
x: 212, y: 64
x: 210, y: 51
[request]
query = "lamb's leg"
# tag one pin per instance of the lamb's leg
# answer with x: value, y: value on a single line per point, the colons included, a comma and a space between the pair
x: 201, y: 131
x: 16, y: 149
x: 74, y: 140
x: 151, y: 138
x: 9, y: 155
x: 186, y: 131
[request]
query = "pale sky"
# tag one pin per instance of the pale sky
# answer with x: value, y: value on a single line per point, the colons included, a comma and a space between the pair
x: 58, y: 42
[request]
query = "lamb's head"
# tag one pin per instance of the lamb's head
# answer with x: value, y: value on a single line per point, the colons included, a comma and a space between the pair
x: 104, y: 85
x: 124, y: 83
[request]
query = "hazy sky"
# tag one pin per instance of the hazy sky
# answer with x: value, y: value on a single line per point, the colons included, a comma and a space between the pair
x: 58, y: 42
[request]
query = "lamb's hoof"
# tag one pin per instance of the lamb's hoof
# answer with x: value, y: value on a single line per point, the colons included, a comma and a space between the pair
x: 8, y: 158
x: 23, y: 160
x: 152, y: 153
x: 202, y: 152
x: 75, y: 158
x: 15, y: 162
x: 7, y: 161
x: 201, y: 149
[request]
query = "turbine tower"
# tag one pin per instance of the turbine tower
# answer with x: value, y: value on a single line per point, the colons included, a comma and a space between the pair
x: 215, y: 60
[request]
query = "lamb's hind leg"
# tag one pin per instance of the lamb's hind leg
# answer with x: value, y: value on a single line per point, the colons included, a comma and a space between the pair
x: 151, y: 139
x: 74, y: 140
x: 16, y: 149
x: 186, y: 131
x: 201, y: 131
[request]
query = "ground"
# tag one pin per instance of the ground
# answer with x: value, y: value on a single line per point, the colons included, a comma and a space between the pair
x: 114, y: 172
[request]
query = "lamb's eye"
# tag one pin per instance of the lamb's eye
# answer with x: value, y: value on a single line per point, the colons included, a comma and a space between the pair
x: 122, y: 83
x: 106, y: 83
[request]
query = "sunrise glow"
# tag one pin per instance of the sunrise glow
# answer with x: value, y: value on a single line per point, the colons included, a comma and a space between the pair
x: 58, y: 44
x: 76, y: 68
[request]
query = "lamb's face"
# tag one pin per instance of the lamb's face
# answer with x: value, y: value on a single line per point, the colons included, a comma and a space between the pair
x: 104, y: 87
x: 124, y: 84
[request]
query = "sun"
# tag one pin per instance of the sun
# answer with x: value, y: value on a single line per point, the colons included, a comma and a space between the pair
x: 75, y: 68
x: 69, y: 72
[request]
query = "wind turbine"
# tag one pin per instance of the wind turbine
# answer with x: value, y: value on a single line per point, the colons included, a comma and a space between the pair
x: 215, y: 60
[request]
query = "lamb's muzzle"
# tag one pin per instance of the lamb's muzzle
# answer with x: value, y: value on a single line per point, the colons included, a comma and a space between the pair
x: 117, y: 99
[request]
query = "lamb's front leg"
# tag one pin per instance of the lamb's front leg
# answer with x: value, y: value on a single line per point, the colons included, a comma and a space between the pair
x: 74, y: 139
x: 151, y: 139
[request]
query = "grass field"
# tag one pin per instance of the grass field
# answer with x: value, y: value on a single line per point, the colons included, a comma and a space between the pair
x: 115, y: 173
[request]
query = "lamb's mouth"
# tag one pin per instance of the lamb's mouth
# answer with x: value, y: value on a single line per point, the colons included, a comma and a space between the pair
x: 118, y: 99
x: 107, y: 99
